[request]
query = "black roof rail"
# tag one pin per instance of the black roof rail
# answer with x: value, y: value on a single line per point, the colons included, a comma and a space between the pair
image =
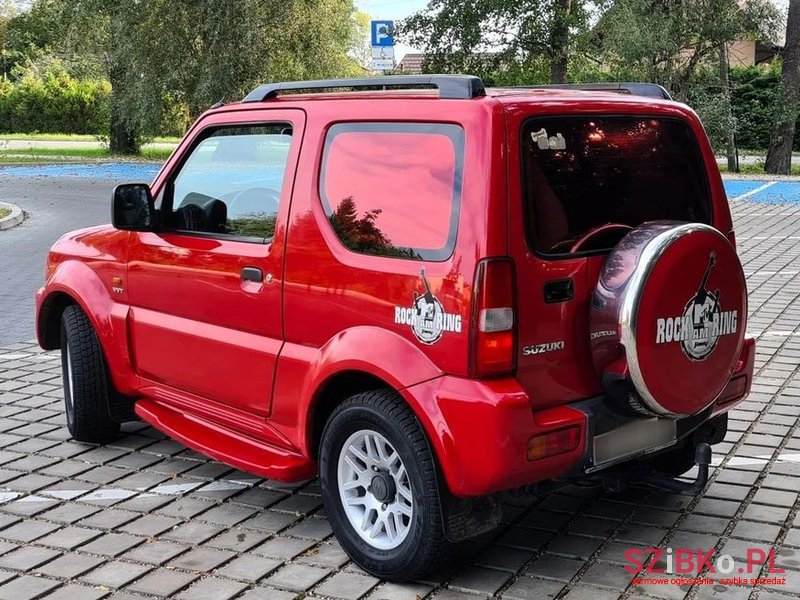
x: 651, y: 90
x: 461, y: 87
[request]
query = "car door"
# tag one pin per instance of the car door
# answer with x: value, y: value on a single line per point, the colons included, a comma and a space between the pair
x: 205, y: 289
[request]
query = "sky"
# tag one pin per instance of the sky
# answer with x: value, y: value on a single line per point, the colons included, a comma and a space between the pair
x: 394, y: 10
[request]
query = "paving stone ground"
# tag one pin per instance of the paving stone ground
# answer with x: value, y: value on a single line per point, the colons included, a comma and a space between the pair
x: 144, y: 517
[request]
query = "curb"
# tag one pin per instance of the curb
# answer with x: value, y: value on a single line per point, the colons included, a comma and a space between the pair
x: 15, y: 218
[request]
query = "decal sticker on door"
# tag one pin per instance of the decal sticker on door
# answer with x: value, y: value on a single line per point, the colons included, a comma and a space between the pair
x: 426, y: 316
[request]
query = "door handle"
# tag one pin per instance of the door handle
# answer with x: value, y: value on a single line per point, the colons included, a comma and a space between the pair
x: 252, y: 274
x: 559, y: 290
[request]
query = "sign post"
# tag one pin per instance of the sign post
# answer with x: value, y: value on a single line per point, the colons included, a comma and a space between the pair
x: 382, y: 38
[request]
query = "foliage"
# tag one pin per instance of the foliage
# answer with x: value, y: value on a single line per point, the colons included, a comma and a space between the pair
x: 54, y: 101
x: 199, y: 52
x: 168, y: 61
x: 360, y: 49
x: 754, y: 95
x: 502, y: 40
x: 667, y: 41
x: 362, y: 234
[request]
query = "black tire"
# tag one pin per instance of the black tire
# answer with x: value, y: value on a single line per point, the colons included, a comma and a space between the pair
x: 87, y: 400
x: 425, y: 546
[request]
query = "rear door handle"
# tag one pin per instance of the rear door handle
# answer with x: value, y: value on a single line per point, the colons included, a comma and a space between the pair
x: 252, y: 274
x: 559, y: 290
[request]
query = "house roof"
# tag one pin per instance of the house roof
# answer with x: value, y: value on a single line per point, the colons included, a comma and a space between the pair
x: 411, y: 63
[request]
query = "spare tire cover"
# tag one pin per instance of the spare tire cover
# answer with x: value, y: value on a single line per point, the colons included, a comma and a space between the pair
x: 668, y: 318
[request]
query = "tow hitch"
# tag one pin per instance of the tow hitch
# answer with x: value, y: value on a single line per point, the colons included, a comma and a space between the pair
x: 616, y: 481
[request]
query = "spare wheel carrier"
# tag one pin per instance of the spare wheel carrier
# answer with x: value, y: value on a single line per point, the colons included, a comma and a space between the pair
x: 668, y: 318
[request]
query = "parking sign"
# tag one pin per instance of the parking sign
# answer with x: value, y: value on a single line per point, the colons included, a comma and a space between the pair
x: 382, y: 33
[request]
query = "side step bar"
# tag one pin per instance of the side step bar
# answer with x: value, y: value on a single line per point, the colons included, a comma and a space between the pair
x: 230, y: 447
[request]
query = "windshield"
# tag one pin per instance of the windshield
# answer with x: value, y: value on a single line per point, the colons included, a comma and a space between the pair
x: 582, y: 175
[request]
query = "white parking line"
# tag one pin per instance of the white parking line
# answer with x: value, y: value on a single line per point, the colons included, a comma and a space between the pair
x: 760, y: 188
x: 761, y: 459
x: 768, y: 237
x: 167, y: 489
x: 774, y: 333
x: 770, y: 273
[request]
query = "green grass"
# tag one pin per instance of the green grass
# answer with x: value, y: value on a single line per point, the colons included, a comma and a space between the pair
x: 4, y: 212
x: 70, y: 137
x: 755, y: 169
x: 35, y: 155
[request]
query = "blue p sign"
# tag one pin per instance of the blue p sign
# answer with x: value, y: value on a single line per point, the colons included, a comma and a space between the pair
x: 382, y: 33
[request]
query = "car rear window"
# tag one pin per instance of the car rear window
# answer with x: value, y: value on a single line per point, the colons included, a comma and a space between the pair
x: 394, y: 189
x: 584, y: 172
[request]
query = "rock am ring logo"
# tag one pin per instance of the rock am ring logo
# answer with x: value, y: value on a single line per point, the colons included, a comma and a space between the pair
x: 702, y: 323
x: 426, y: 316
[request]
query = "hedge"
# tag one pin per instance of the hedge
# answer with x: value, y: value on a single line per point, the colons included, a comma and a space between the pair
x: 54, y: 103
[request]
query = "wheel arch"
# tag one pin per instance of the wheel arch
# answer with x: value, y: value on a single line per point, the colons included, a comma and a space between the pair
x: 339, y: 387
x: 48, y: 323
x: 75, y: 283
x: 331, y: 393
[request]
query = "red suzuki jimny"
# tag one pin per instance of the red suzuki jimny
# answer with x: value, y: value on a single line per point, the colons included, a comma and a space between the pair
x: 426, y: 296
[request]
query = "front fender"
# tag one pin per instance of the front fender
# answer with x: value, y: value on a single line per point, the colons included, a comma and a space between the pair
x: 82, y: 285
x: 303, y: 373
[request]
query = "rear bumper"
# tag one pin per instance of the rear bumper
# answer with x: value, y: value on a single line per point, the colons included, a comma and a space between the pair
x: 481, y: 430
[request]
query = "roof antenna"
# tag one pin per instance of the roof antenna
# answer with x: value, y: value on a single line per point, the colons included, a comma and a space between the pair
x: 220, y: 102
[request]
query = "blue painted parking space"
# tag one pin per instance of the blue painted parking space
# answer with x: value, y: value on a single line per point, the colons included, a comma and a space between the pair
x: 763, y: 191
x: 781, y: 192
x: 736, y: 187
x: 128, y: 171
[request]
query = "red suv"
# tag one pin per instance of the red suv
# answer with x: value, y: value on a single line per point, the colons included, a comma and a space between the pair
x: 426, y: 296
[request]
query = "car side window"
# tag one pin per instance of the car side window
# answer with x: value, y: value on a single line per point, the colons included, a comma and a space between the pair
x: 394, y: 189
x: 231, y: 182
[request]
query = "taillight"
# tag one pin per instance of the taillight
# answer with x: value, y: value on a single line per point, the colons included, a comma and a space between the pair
x: 492, y: 326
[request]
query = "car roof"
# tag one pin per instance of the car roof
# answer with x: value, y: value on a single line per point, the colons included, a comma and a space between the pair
x: 504, y: 95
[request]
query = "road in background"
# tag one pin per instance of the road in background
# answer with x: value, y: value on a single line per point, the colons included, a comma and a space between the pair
x: 57, y: 199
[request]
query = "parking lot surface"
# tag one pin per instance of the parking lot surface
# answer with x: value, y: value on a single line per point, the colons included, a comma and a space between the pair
x: 144, y: 517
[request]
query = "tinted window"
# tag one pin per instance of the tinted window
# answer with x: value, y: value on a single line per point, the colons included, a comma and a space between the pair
x: 231, y: 182
x: 581, y: 173
x: 394, y: 189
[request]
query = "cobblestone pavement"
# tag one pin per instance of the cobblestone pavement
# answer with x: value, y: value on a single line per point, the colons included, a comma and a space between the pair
x: 145, y: 517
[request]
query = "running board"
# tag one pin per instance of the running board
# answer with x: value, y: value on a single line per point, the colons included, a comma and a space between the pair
x: 227, y: 446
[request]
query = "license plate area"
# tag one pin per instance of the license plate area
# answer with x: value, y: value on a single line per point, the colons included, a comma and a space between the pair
x: 638, y: 436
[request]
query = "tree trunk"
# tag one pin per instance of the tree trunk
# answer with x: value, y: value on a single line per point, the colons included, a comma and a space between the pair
x: 123, y: 138
x: 779, y: 153
x: 559, y: 41
x: 725, y: 82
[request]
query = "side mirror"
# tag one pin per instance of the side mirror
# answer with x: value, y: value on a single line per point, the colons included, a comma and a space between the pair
x: 132, y: 207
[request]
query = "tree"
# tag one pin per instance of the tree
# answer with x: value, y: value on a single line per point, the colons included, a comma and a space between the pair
x: 157, y: 53
x: 779, y: 153
x: 360, y: 48
x: 202, y: 51
x: 526, y: 41
x: 666, y: 41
